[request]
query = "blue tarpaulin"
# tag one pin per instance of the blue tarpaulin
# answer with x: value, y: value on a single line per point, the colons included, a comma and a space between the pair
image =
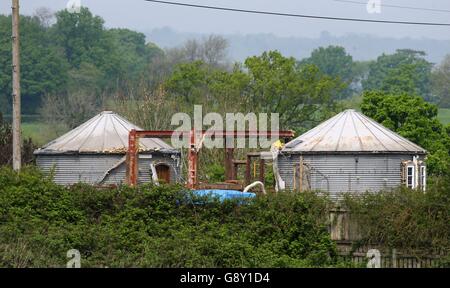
x: 224, y: 194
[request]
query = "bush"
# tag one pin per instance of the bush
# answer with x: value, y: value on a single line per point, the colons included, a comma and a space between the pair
x: 154, y: 226
x: 6, y: 138
x: 405, y: 219
x: 159, y: 226
x: 215, y: 173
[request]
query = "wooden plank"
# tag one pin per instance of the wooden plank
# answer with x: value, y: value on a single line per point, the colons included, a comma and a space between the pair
x: 262, y: 171
x: 229, y: 167
x: 247, y: 170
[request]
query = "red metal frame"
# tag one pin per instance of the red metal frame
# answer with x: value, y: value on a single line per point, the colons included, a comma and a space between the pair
x: 133, y: 149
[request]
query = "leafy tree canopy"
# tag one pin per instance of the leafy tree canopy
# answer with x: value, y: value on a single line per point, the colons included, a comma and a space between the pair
x: 415, y: 119
x: 82, y: 37
x: 333, y: 61
x: 302, y: 94
x: 135, y: 53
x: 441, y: 83
x: 268, y: 83
x: 405, y: 71
x: 43, y: 67
x: 74, y: 53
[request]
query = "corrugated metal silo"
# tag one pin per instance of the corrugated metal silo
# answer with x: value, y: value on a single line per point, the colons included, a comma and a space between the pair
x: 95, y: 151
x: 351, y: 153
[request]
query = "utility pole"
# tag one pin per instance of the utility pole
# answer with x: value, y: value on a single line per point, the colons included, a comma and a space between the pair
x: 17, y: 157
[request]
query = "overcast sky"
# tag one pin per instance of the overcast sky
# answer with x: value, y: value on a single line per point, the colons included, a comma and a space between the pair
x: 144, y: 16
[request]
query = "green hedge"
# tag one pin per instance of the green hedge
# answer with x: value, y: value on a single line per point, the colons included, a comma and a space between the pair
x: 406, y: 219
x: 153, y: 226
x: 158, y: 226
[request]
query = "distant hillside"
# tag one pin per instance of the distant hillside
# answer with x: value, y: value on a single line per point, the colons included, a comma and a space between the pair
x: 361, y: 47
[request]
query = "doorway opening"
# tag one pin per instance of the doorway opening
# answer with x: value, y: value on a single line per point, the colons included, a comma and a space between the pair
x: 163, y: 172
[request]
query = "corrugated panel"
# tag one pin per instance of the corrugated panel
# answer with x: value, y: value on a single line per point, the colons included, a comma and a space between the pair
x: 339, y: 174
x: 351, y: 131
x: 118, y: 175
x: 71, y: 169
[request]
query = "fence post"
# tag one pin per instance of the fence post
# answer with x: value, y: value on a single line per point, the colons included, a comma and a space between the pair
x: 394, y: 258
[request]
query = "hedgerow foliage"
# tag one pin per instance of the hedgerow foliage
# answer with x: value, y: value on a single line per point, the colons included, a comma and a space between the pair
x: 153, y: 226
x: 159, y: 226
x: 404, y: 218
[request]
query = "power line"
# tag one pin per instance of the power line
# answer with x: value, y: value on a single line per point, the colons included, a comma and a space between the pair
x: 299, y: 15
x: 395, y: 6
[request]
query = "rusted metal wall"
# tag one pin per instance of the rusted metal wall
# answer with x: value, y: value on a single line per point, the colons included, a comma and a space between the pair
x: 71, y: 169
x: 340, y: 173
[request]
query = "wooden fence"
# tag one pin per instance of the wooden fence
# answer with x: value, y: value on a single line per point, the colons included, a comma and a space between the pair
x: 391, y: 258
x: 344, y: 231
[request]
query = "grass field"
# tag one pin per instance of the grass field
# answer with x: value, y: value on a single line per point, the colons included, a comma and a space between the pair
x: 444, y: 115
x: 41, y: 133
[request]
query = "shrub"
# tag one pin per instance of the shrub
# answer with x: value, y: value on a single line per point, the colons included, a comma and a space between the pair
x: 159, y: 226
x: 404, y: 218
x: 154, y: 226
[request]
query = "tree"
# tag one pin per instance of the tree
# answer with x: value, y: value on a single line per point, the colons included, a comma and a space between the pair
x: 45, y: 16
x: 192, y: 49
x: 269, y: 83
x: 133, y: 52
x: 300, y: 93
x: 211, y: 50
x: 44, y: 69
x: 67, y: 111
x: 360, y: 73
x: 83, y: 39
x: 102, y: 63
x: 188, y: 81
x: 405, y: 71
x: 441, y: 83
x: 218, y: 90
x: 334, y: 62
x: 415, y: 119
x: 98, y: 61
x: 214, y: 50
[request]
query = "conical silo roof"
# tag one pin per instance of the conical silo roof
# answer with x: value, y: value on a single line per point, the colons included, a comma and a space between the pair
x: 351, y: 131
x: 106, y: 132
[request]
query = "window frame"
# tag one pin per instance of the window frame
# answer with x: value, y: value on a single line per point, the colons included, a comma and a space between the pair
x: 412, y: 175
x: 423, y: 176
